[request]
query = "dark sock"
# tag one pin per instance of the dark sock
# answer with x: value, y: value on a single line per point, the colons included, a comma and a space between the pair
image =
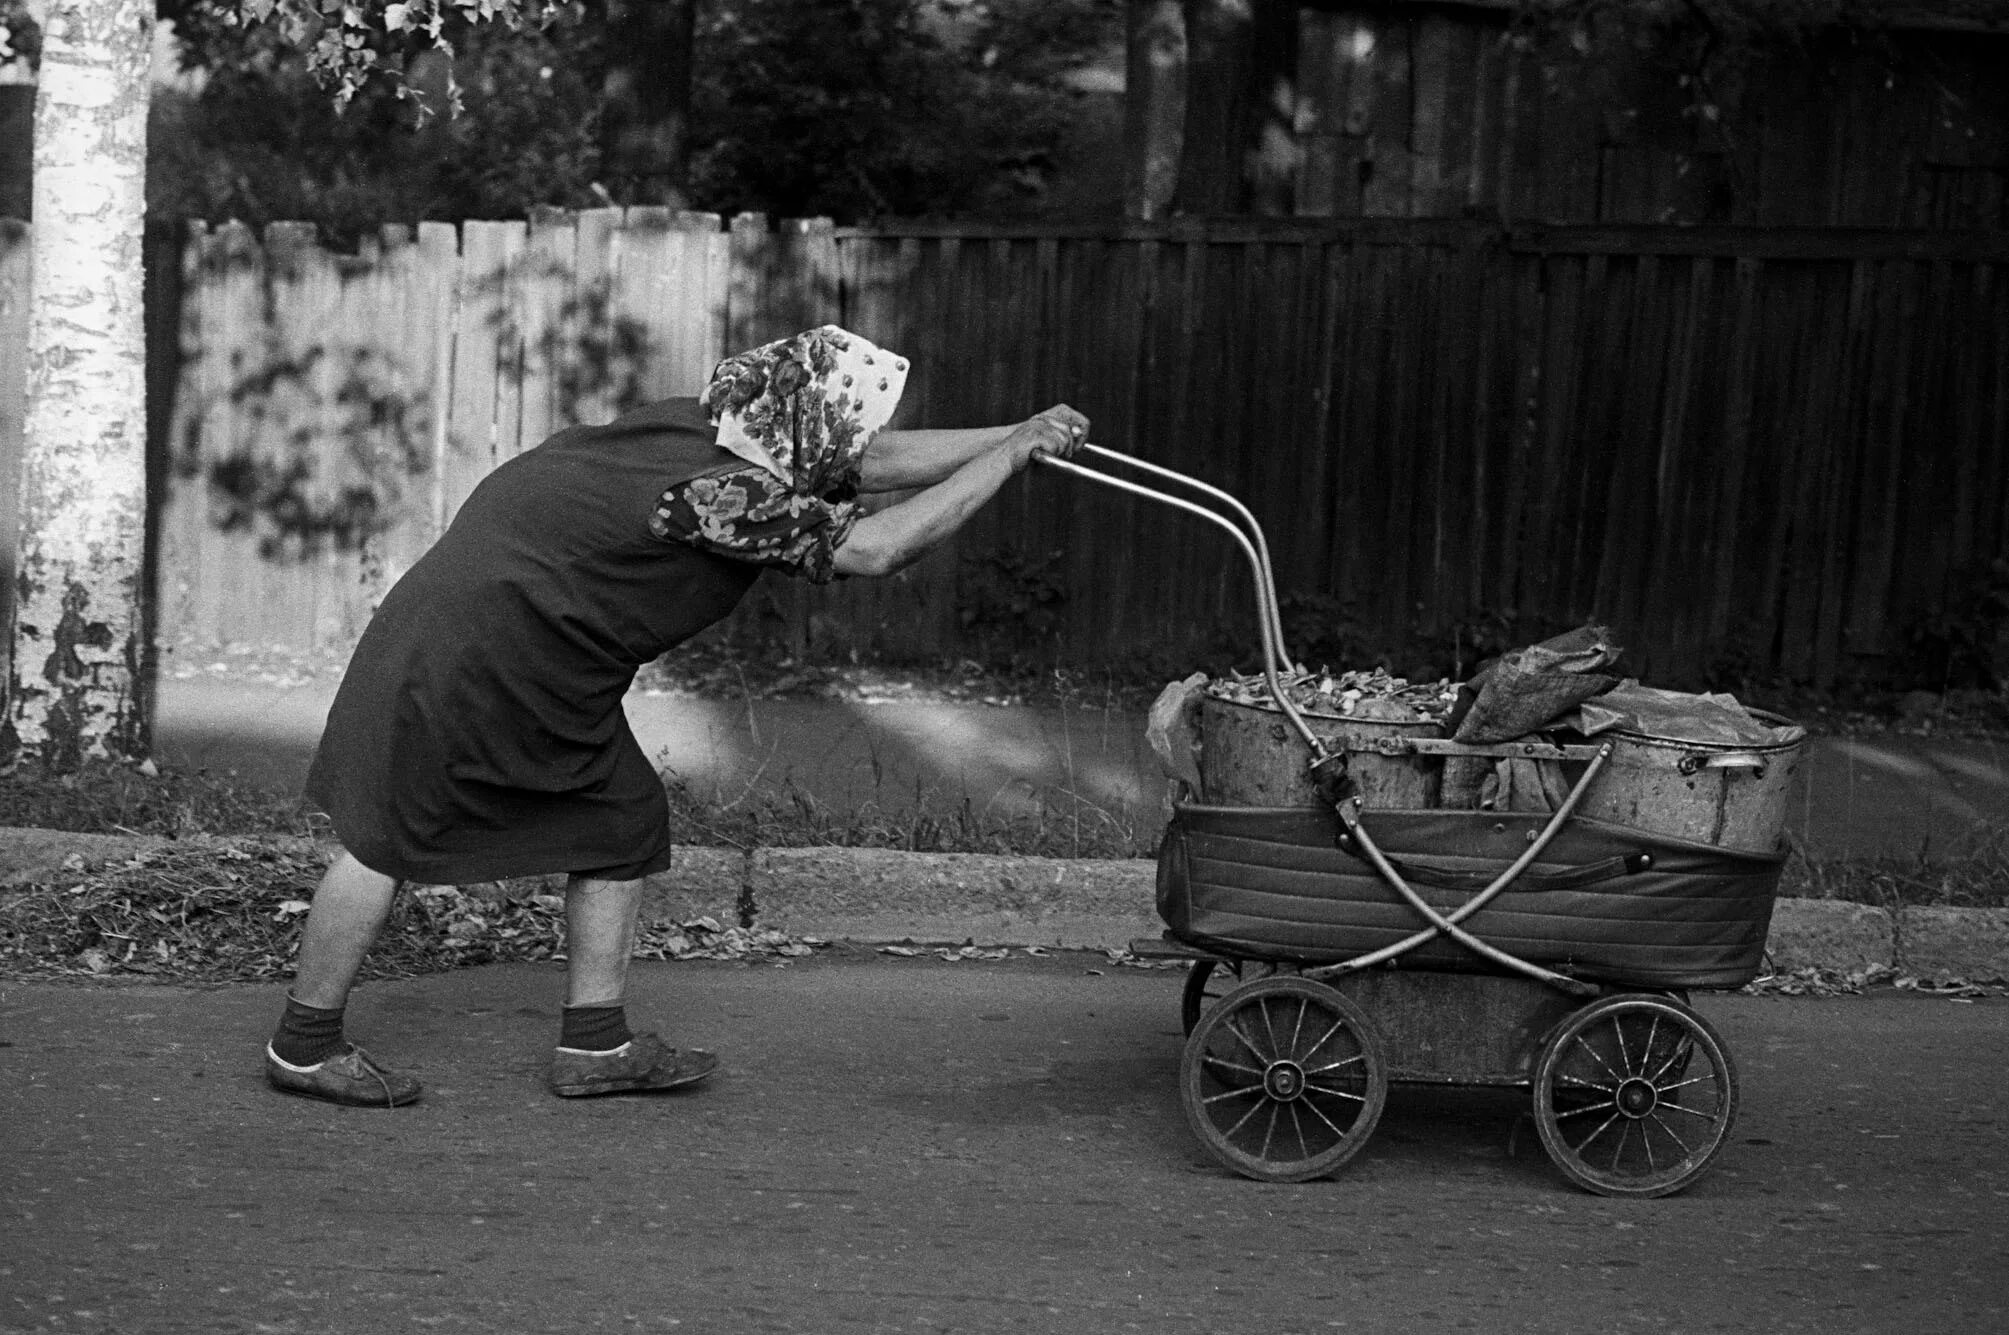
x: 307, y: 1034
x: 594, y: 1028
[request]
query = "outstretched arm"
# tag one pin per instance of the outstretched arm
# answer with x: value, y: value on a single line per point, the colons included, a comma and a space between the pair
x: 900, y: 460
x: 902, y: 533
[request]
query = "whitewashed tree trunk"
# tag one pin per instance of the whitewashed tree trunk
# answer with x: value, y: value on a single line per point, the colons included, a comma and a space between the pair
x: 75, y: 689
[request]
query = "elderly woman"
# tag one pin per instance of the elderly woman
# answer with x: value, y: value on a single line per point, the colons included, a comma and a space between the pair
x: 478, y: 733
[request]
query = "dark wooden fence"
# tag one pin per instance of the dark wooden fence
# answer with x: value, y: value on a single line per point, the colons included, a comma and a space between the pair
x: 1774, y: 447
x: 1770, y: 447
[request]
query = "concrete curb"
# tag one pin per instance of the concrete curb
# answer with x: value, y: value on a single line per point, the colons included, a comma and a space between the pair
x: 883, y: 895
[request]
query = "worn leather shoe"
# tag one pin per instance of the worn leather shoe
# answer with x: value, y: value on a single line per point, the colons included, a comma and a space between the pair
x: 643, y: 1062
x: 352, y: 1078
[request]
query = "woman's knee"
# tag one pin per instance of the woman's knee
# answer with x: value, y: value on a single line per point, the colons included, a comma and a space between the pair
x: 348, y: 873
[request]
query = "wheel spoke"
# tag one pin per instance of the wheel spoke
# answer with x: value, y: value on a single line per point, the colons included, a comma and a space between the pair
x: 1687, y: 1150
x: 1646, y: 1053
x: 1297, y: 1030
x: 1335, y: 1093
x: 1587, y: 1108
x: 1244, y: 1092
x: 1319, y: 1113
x: 1602, y: 1127
x: 1624, y: 1134
x: 1706, y: 1114
x: 1646, y: 1139
x: 1624, y: 1053
x: 1269, y: 1134
x: 1243, y: 1120
x: 1226, y: 1065
x: 1595, y: 1056
x: 1228, y: 1023
x: 1564, y: 1078
x: 1706, y: 1078
x: 1326, y: 1037
x: 1355, y: 1060
x: 1297, y: 1125
x: 1676, y: 1060
x: 1269, y: 1028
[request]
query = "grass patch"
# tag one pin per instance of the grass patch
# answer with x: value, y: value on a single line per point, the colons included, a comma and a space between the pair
x: 119, y: 799
x: 794, y: 818
x: 1975, y: 879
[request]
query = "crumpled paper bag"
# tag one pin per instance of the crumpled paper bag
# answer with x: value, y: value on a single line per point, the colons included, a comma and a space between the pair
x: 1173, y: 729
x: 1529, y: 689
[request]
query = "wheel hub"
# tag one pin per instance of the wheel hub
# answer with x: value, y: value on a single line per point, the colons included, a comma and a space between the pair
x: 1283, y: 1081
x: 1637, y: 1098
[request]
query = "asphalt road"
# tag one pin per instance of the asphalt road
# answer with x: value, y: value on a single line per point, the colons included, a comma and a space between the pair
x: 912, y: 1145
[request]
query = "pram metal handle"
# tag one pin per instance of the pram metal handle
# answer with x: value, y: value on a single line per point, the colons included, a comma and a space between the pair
x: 1247, y: 533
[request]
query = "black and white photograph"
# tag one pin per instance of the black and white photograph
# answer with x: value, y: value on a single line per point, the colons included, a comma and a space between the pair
x: 977, y: 666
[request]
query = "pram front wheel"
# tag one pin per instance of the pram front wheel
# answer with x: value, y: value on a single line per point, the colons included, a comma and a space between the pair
x: 1283, y: 1079
x: 1634, y: 1095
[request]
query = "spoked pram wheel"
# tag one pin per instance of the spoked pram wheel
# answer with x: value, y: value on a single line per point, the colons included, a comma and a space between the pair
x: 1634, y: 1095
x: 1283, y: 1079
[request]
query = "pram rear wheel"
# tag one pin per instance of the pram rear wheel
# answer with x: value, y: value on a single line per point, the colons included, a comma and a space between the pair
x: 1283, y: 1079
x: 1634, y: 1095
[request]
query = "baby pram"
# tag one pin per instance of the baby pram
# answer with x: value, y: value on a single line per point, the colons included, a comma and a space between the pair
x: 1339, y: 945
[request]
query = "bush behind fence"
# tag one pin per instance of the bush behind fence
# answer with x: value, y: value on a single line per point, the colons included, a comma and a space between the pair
x: 1749, y: 450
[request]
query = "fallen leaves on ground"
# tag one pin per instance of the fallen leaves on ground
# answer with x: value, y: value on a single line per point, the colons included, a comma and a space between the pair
x: 231, y: 912
x: 956, y: 954
x: 705, y: 939
x: 1823, y: 981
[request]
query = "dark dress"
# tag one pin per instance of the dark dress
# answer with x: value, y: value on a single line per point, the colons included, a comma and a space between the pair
x: 478, y: 733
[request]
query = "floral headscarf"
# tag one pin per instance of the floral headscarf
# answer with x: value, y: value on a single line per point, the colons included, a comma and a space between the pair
x: 805, y: 407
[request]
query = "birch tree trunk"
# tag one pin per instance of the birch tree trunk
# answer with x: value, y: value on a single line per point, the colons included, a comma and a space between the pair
x: 75, y: 682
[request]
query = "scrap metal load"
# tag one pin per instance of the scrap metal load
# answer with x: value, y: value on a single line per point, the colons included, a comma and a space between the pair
x: 1694, y: 766
x: 1664, y: 872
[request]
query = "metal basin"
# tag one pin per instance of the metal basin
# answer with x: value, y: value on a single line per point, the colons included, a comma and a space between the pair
x: 1729, y: 796
x: 1249, y: 756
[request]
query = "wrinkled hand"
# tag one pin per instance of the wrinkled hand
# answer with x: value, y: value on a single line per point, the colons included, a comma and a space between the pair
x: 1059, y: 431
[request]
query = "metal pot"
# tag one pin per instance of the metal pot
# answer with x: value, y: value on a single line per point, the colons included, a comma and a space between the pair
x: 1729, y: 796
x: 1250, y: 757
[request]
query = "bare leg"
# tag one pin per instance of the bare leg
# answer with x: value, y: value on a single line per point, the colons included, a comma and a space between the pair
x: 349, y: 909
x: 599, y: 938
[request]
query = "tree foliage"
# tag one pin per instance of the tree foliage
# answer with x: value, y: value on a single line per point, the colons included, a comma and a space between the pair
x: 350, y: 45
x: 848, y: 108
x: 859, y: 107
x: 259, y: 143
x: 20, y: 36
